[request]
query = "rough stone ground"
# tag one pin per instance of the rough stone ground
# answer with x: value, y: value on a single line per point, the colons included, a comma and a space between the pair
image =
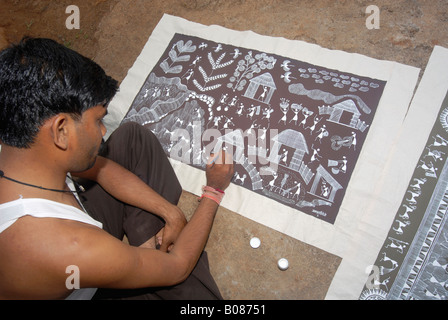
x: 113, y: 33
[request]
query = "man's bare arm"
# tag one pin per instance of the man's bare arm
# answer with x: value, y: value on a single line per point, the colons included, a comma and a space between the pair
x: 48, y: 246
x: 113, y: 264
x: 127, y: 267
x: 123, y: 184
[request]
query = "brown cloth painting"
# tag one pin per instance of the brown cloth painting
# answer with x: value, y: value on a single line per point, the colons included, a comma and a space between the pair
x: 413, y: 261
x: 295, y: 130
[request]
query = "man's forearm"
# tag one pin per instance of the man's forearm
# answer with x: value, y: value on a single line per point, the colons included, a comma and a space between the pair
x: 193, y: 238
x: 175, y: 266
x: 127, y: 187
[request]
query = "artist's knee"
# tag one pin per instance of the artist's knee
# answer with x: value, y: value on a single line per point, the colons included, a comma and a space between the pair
x: 130, y: 129
x: 131, y: 135
x: 136, y: 130
x: 125, y: 137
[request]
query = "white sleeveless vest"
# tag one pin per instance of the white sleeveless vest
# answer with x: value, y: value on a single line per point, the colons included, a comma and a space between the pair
x: 42, y: 208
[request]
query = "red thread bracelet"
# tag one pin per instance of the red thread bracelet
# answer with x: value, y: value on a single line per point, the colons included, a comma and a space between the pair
x: 213, y: 194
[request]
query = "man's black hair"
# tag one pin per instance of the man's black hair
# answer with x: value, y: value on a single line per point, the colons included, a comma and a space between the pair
x: 40, y: 78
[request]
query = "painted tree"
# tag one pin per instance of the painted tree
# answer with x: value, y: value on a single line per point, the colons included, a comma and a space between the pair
x: 249, y: 66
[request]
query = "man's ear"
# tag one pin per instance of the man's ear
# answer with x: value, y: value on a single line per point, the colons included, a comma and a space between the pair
x: 60, y: 129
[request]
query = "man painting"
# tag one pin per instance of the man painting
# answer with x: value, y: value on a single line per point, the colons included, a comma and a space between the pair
x: 52, y: 102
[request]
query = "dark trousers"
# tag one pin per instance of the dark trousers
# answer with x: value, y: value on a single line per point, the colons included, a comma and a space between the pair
x: 139, y: 151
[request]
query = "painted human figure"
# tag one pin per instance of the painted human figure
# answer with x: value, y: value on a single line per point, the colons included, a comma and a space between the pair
x: 223, y: 98
x: 187, y: 76
x: 322, y: 132
x: 195, y: 61
x: 439, y: 141
x: 297, y: 193
x: 156, y: 92
x: 240, y: 109
x: 216, y: 121
x: 315, y: 156
x: 306, y: 113
x: 325, y: 190
x: 430, y: 170
x: 296, y: 115
x: 233, y: 101
x: 353, y: 141
x: 343, y: 167
x: 271, y: 184
x: 228, y: 123
x: 313, y: 126
x: 263, y: 95
x: 284, y: 156
x: 285, y: 111
x: 267, y: 113
x: 251, y: 111
x: 435, y: 154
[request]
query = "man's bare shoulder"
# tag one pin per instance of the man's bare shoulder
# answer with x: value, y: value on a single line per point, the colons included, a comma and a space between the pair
x: 36, y: 253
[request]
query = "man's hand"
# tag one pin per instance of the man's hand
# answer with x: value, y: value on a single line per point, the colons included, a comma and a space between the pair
x: 219, y: 171
x: 174, y: 223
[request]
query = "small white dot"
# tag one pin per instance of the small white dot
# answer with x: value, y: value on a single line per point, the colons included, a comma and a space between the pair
x: 283, y: 264
x: 255, y: 242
